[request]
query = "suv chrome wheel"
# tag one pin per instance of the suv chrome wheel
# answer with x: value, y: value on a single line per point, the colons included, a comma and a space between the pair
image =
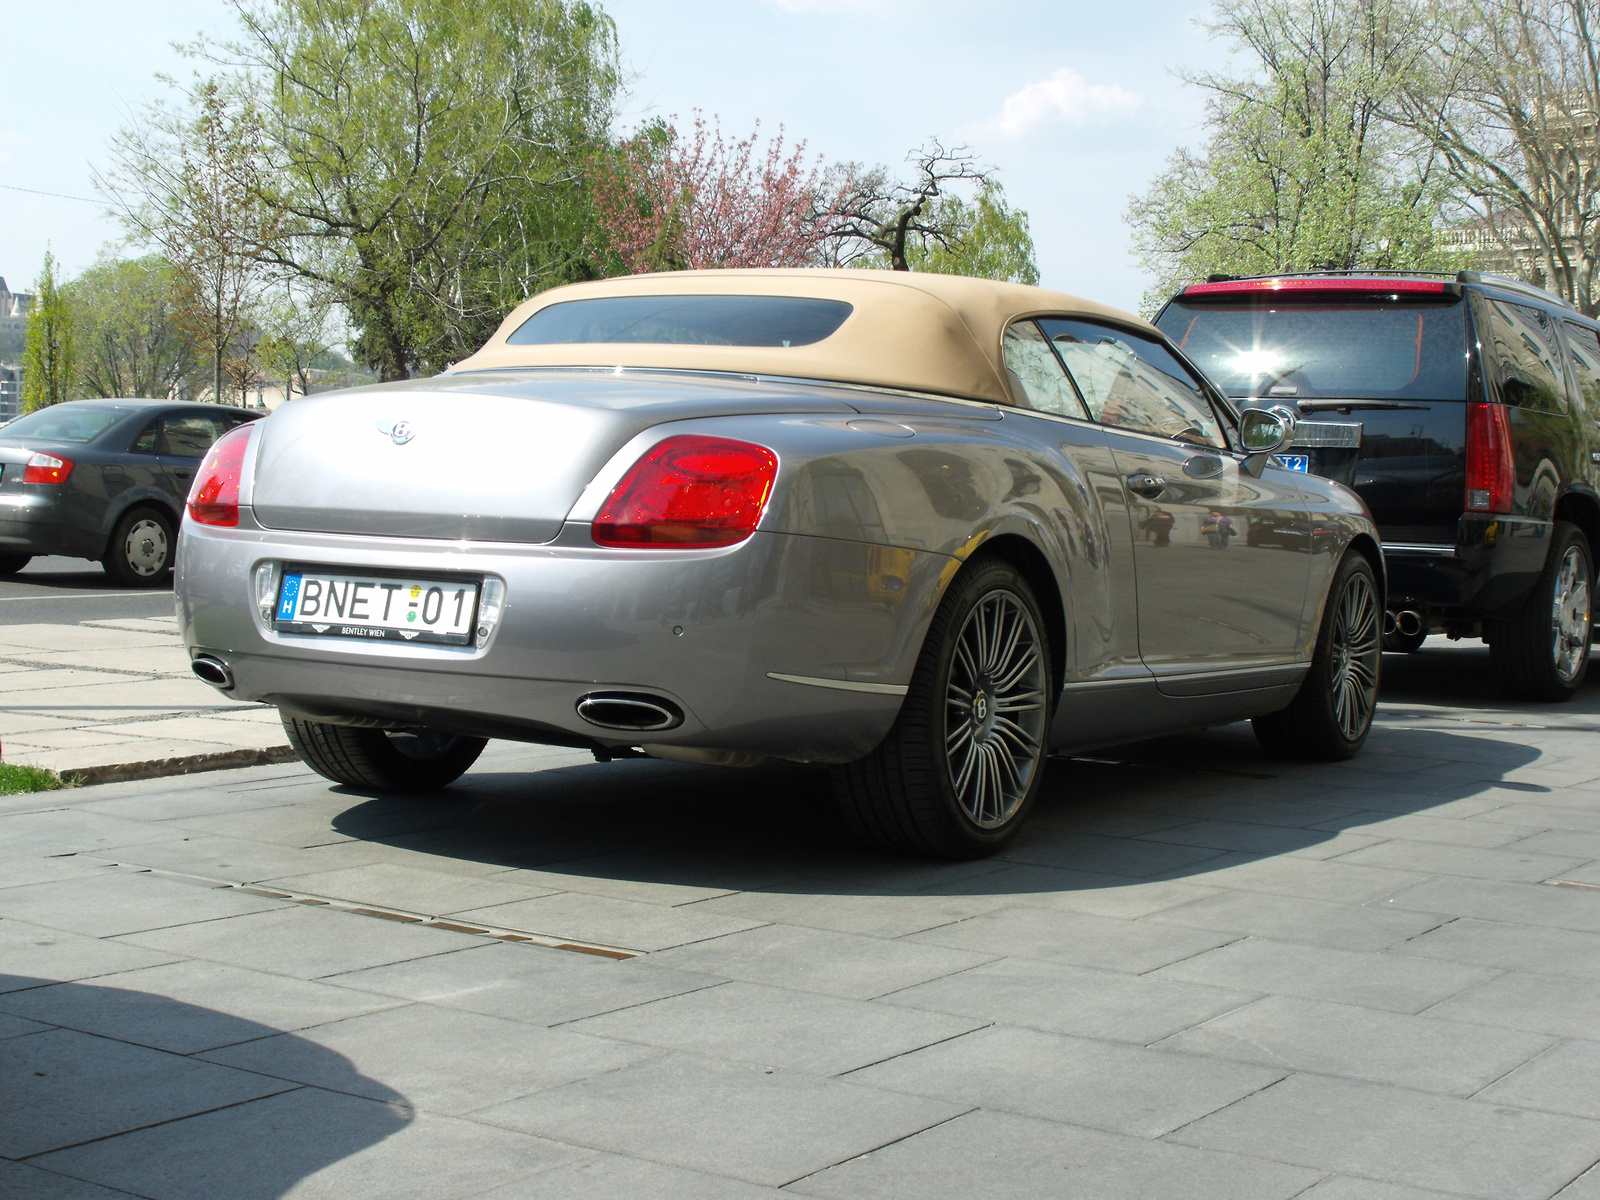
x: 1571, y: 614
x: 994, y: 709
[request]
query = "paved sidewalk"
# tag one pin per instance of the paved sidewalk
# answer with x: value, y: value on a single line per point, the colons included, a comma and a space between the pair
x: 90, y: 695
x: 1199, y: 973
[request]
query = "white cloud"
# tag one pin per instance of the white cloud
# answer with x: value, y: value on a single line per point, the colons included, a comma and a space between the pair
x: 1065, y: 96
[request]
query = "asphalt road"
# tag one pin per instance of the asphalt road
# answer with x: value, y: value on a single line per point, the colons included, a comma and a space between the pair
x: 64, y: 591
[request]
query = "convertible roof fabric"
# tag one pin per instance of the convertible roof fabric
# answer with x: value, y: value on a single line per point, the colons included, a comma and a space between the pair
x: 910, y: 330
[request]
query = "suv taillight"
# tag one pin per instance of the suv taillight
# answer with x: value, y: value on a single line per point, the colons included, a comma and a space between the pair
x: 690, y: 492
x: 214, y: 498
x: 47, y: 468
x: 1491, y: 473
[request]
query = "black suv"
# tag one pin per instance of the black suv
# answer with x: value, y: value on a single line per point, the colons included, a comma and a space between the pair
x: 1479, y: 400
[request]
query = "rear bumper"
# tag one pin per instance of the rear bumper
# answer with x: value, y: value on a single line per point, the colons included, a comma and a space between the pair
x: 33, y: 522
x: 1490, y: 569
x: 704, y: 629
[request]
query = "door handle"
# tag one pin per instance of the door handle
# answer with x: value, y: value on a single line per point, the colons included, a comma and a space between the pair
x: 183, y: 472
x: 1148, y: 486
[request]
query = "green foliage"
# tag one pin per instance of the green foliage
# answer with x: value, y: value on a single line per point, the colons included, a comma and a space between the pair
x: 1301, y: 170
x: 426, y: 157
x: 988, y: 239
x: 128, y: 338
x: 15, y: 778
x: 49, y: 354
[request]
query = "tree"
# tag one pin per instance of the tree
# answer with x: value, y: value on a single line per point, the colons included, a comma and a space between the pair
x: 425, y: 157
x: 127, y: 333
x: 1512, y: 108
x: 49, y: 354
x: 296, y: 336
x: 1302, y: 167
x: 188, y: 181
x: 984, y: 237
x: 868, y: 216
x: 668, y: 202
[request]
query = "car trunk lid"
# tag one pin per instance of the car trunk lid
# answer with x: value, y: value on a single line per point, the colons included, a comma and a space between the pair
x: 497, y: 456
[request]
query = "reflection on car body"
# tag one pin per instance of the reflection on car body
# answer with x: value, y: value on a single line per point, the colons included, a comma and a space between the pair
x: 877, y: 521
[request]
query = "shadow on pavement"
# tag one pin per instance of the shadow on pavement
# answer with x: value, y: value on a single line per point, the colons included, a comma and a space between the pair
x: 111, y: 1087
x: 1165, y: 809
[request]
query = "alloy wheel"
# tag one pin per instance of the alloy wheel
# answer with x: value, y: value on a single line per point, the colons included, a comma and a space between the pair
x: 1357, y: 638
x: 145, y: 547
x: 1571, y: 614
x: 995, y: 709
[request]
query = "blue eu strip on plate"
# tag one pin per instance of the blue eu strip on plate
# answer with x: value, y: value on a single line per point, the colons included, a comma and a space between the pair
x: 291, y: 593
x: 1294, y: 462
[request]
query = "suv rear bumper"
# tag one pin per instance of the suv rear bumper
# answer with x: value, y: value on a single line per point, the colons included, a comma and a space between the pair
x: 1490, y: 569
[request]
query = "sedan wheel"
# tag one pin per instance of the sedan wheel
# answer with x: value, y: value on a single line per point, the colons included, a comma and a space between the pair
x: 378, y: 760
x: 1331, y: 715
x: 140, y: 554
x: 964, y: 760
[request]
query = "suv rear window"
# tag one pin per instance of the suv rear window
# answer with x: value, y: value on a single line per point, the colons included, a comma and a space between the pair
x: 1355, y: 351
x: 685, y: 320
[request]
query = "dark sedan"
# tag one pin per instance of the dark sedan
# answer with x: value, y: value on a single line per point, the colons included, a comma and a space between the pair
x: 104, y: 479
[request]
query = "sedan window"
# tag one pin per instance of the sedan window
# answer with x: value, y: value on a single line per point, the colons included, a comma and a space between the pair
x: 185, y: 436
x: 65, y: 423
x: 1035, y: 375
x: 1134, y: 382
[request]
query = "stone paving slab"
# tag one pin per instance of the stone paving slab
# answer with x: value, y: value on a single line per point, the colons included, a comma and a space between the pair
x: 1201, y: 973
x: 98, y: 694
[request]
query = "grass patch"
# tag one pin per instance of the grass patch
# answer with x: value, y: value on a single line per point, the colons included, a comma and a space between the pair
x: 15, y: 778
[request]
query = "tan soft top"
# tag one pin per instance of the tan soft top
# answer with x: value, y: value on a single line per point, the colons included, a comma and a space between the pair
x: 921, y: 332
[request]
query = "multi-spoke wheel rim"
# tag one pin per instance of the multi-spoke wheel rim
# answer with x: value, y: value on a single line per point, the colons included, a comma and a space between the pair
x: 995, y: 709
x: 1571, y: 612
x: 146, y: 547
x: 1357, y: 637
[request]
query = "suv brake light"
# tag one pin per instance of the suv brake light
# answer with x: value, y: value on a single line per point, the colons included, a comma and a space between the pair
x: 1434, y: 287
x: 1491, y: 471
x: 690, y: 492
x: 214, y: 498
x: 47, y: 468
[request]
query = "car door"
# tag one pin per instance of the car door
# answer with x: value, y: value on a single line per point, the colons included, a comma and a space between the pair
x: 1222, y: 557
x: 139, y: 470
x: 181, y: 443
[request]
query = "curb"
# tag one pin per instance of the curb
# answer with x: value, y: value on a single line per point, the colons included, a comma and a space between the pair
x: 157, y: 768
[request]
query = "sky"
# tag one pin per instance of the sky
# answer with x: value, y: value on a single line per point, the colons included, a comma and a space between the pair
x: 1077, y: 104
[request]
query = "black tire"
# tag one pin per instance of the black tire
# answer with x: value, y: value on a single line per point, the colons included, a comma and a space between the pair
x: 1404, y: 643
x: 1331, y: 714
x: 10, y: 564
x: 908, y: 794
x: 142, y: 548
x: 376, y: 760
x: 1542, y: 651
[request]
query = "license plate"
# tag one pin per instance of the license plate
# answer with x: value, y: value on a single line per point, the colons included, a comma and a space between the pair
x: 1295, y: 462
x: 377, y: 608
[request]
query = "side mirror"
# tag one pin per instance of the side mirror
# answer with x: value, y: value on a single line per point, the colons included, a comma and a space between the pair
x: 1265, y: 430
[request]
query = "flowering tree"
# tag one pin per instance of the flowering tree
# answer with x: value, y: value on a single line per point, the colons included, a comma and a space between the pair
x: 669, y: 202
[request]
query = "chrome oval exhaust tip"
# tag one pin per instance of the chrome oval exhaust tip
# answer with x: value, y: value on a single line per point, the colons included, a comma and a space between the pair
x: 632, y: 711
x: 214, y: 671
x: 1409, y: 623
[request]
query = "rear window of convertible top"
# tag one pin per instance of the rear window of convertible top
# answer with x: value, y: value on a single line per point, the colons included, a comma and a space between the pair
x: 685, y: 320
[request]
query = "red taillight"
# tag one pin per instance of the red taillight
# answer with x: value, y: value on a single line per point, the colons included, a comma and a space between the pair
x: 1316, y: 284
x: 47, y: 468
x: 689, y: 491
x: 1491, y: 472
x: 214, y: 498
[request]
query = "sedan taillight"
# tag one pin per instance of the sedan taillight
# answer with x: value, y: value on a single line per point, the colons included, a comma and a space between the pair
x: 47, y: 468
x: 214, y: 498
x: 1491, y: 472
x: 689, y: 492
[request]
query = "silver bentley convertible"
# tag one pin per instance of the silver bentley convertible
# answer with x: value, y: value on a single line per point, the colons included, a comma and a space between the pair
x: 925, y: 530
